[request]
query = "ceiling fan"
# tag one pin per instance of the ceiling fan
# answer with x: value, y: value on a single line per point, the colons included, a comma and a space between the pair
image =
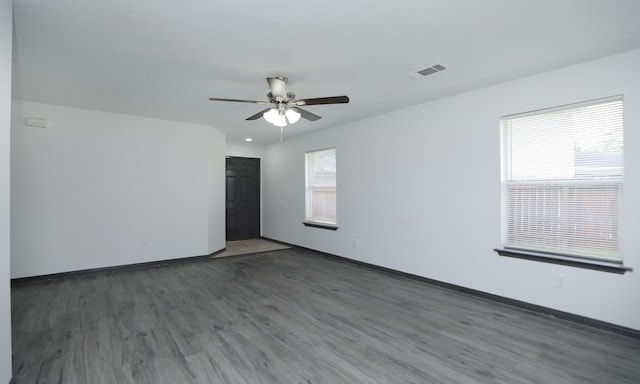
x: 285, y: 109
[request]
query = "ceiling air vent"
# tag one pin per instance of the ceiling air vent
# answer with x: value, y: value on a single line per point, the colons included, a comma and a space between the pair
x: 431, y: 70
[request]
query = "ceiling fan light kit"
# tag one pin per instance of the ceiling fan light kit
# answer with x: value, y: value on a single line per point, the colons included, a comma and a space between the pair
x: 285, y: 109
x: 292, y: 115
x: 280, y: 117
x: 275, y: 117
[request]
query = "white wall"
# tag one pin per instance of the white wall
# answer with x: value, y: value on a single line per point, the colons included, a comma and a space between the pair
x: 216, y: 191
x: 6, y: 30
x: 245, y: 150
x: 420, y: 190
x: 98, y: 189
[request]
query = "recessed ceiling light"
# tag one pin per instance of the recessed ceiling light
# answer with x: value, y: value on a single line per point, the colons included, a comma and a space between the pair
x: 248, y: 139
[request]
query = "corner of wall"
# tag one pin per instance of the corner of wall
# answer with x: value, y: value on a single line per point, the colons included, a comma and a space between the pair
x: 6, y: 41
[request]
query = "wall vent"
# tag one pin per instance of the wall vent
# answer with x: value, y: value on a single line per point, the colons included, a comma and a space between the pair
x: 431, y: 70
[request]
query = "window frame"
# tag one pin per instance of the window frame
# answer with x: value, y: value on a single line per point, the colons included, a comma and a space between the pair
x: 587, y: 261
x: 310, y: 221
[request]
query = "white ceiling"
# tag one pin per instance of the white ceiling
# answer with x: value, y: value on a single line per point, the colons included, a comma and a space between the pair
x: 164, y: 58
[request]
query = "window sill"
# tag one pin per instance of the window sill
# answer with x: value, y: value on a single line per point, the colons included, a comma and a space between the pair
x: 320, y: 225
x: 604, y: 266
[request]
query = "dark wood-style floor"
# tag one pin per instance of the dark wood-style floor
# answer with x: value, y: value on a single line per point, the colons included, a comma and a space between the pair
x: 294, y: 317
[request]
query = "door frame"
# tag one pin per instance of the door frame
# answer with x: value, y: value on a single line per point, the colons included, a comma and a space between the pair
x: 258, y: 161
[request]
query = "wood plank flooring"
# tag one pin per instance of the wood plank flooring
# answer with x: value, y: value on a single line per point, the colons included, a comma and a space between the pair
x: 243, y: 247
x: 292, y: 316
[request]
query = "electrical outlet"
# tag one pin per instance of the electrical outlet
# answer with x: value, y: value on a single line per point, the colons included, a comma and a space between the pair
x: 144, y: 245
x: 561, y: 281
x: 356, y: 243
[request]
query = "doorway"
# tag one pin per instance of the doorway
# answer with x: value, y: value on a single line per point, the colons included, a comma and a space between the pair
x: 243, y: 198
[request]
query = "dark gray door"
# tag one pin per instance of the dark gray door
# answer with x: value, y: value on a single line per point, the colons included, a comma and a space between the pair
x: 243, y: 198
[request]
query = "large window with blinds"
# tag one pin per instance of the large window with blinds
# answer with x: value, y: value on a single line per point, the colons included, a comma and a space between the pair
x: 562, y: 180
x: 320, y: 198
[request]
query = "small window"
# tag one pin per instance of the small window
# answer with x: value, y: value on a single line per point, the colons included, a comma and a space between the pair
x: 321, y: 187
x: 562, y: 180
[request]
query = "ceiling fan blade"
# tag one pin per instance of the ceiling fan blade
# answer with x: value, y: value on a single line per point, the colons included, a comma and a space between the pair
x: 239, y: 101
x: 257, y: 115
x: 323, y: 100
x: 278, y: 86
x: 308, y: 115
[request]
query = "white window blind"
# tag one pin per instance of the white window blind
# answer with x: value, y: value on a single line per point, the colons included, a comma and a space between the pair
x: 321, y: 188
x: 562, y: 179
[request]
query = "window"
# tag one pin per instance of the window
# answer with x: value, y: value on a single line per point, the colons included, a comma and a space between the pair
x: 321, y: 188
x: 562, y: 180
